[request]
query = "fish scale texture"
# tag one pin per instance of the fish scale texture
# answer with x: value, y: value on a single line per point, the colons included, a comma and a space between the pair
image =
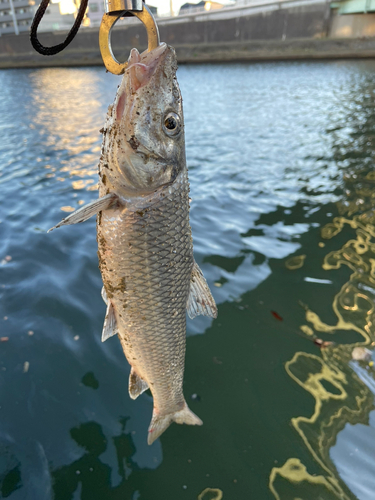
x: 146, y: 259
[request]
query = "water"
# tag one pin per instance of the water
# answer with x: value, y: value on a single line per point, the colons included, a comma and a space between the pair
x: 281, y: 167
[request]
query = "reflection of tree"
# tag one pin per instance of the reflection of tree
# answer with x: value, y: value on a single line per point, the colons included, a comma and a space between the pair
x: 88, y: 471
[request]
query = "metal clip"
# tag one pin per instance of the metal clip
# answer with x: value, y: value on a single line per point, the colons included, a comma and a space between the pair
x: 120, y: 8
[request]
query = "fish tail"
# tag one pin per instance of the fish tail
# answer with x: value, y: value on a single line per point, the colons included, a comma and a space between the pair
x: 159, y: 423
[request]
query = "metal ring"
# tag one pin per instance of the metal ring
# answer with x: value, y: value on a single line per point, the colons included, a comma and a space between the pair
x: 108, y: 22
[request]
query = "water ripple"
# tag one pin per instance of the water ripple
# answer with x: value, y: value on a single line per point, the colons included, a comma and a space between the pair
x: 275, y: 152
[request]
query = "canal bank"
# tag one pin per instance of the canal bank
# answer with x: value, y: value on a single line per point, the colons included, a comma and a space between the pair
x: 261, y: 50
x: 299, y: 29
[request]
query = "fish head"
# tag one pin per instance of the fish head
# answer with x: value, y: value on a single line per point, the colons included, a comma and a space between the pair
x: 147, y: 143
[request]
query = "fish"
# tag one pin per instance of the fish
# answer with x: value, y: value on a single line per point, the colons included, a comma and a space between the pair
x: 145, y: 246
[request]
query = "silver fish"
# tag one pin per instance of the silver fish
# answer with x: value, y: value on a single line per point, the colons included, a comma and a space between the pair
x: 144, y: 238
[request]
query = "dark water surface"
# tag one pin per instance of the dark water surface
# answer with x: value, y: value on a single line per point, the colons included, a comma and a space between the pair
x: 282, y: 183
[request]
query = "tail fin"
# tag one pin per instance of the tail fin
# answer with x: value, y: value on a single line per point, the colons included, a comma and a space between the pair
x: 159, y: 423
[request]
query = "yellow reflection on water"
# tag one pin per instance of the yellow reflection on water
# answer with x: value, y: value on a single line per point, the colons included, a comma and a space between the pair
x: 307, y: 330
x: 69, y: 113
x: 211, y: 494
x: 79, y: 172
x: 340, y: 397
x: 295, y: 262
x: 81, y: 184
x: 293, y: 471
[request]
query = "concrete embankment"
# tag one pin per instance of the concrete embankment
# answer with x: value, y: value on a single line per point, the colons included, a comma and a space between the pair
x: 296, y: 49
x: 268, y: 30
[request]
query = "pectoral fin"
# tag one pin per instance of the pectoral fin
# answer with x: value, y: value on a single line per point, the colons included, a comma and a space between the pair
x: 87, y: 211
x: 200, y: 300
x: 136, y: 385
x: 110, y: 325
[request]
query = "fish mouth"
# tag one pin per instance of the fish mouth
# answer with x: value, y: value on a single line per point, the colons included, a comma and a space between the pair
x: 141, y: 67
x: 140, y: 70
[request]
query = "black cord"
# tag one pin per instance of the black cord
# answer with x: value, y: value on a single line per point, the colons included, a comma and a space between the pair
x: 55, y: 49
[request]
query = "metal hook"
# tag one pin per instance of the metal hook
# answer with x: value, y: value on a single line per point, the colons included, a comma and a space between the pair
x: 115, y: 10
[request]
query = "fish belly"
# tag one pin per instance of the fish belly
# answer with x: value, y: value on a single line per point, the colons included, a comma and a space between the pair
x: 146, y: 259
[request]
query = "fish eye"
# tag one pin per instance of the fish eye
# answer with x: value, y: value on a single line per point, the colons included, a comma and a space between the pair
x: 171, y: 124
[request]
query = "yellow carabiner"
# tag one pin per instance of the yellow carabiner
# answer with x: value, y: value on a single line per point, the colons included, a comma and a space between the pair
x: 117, y: 10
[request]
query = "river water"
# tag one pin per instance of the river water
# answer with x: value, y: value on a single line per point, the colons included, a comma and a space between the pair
x: 282, y: 182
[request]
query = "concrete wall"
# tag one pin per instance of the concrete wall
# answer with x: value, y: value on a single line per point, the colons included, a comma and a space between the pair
x: 269, y: 21
x: 353, y: 26
x: 281, y: 22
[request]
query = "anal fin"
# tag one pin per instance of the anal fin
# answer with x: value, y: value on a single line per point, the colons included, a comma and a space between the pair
x: 200, y: 300
x: 110, y: 325
x: 136, y: 385
x: 87, y: 211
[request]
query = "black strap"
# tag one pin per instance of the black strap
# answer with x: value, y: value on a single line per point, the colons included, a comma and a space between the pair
x: 51, y: 51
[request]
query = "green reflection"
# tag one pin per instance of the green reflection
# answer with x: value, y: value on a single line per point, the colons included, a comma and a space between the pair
x: 89, y: 380
x: 11, y: 482
x: 229, y: 264
x: 340, y: 396
x: 89, y: 472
